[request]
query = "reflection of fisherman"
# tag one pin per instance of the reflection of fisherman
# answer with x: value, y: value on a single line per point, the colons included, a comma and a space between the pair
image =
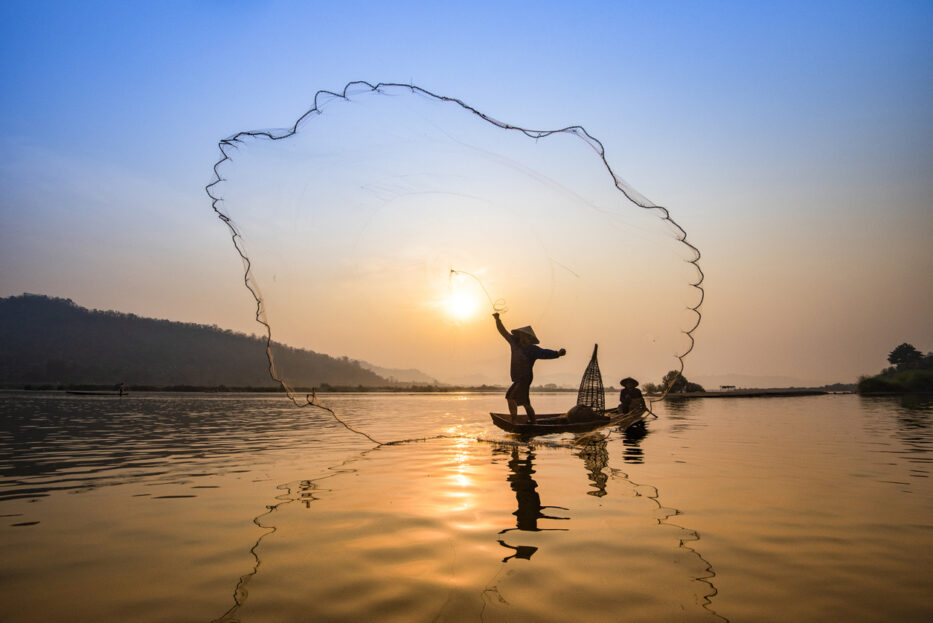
x: 525, y: 552
x: 630, y: 397
x: 529, y: 502
x: 526, y: 492
x: 631, y: 441
x: 525, y: 352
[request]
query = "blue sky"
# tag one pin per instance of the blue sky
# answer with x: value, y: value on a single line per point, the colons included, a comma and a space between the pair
x: 792, y: 140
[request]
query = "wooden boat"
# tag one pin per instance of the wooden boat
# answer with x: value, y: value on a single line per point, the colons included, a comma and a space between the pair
x: 558, y: 423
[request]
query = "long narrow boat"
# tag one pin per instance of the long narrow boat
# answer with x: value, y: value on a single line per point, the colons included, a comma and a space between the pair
x: 558, y: 423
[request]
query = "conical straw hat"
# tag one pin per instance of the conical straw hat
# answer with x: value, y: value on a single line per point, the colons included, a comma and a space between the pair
x: 527, y: 331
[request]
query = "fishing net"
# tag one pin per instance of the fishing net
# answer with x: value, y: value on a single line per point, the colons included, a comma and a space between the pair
x: 591, y: 392
x: 387, y: 223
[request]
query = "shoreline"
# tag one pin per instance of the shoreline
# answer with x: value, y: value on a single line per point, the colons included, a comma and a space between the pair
x: 417, y: 389
x: 754, y: 393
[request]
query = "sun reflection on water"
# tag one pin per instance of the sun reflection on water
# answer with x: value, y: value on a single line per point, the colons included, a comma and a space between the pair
x: 461, y: 476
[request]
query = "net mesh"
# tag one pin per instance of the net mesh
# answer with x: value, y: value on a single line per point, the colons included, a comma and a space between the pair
x: 591, y: 392
x: 380, y: 198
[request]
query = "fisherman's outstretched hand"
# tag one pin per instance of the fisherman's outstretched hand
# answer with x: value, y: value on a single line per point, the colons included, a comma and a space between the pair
x: 562, y: 352
x: 495, y: 315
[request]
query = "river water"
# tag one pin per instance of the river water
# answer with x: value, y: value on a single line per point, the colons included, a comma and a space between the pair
x: 158, y: 507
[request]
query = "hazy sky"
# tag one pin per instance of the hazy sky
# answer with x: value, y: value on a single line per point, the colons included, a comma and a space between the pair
x: 793, y: 141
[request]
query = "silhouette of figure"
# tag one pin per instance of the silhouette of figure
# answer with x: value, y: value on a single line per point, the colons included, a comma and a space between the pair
x: 525, y: 352
x: 529, y: 503
x: 630, y: 397
x: 631, y: 442
x: 525, y: 552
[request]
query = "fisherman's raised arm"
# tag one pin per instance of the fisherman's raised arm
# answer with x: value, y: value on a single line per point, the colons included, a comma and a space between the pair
x: 501, y: 327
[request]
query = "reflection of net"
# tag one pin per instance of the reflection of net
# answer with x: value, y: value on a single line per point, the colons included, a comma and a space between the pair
x: 591, y: 392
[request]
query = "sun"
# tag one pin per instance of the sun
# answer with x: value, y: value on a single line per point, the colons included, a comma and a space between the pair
x: 461, y: 305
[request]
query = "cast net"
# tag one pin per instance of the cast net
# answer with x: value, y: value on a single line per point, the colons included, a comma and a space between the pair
x: 388, y: 223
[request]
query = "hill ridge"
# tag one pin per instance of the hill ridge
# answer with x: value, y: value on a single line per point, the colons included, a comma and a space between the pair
x: 50, y: 340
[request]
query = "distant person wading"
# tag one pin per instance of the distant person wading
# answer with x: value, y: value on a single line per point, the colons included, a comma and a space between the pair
x: 525, y: 352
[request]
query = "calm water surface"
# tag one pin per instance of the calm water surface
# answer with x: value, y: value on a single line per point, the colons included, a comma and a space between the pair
x: 160, y: 507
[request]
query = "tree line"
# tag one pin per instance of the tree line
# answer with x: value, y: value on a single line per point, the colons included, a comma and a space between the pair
x: 673, y: 382
x: 910, y: 371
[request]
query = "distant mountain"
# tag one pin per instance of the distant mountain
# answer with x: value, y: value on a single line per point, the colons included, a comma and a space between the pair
x: 477, y: 379
x: 398, y: 375
x: 46, y: 340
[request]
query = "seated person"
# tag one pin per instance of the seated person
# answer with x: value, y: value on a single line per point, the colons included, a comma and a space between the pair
x: 630, y: 398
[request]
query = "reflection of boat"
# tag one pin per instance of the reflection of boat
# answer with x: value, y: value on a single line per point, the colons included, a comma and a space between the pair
x: 558, y: 422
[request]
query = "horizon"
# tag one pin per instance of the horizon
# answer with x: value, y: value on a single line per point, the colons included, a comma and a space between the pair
x: 795, y: 151
x: 740, y: 380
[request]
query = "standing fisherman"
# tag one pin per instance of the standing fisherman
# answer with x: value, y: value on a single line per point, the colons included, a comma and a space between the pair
x: 524, y: 354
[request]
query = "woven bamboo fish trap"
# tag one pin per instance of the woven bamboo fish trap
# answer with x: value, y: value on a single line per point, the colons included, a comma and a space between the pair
x: 591, y: 392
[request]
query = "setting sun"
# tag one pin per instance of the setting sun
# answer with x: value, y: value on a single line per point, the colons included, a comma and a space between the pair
x: 461, y: 305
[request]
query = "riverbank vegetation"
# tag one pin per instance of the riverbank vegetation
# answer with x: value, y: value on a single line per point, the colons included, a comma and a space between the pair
x: 675, y: 383
x: 911, y: 372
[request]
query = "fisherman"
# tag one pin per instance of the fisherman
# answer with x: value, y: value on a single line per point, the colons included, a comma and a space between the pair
x: 630, y: 396
x: 524, y: 354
